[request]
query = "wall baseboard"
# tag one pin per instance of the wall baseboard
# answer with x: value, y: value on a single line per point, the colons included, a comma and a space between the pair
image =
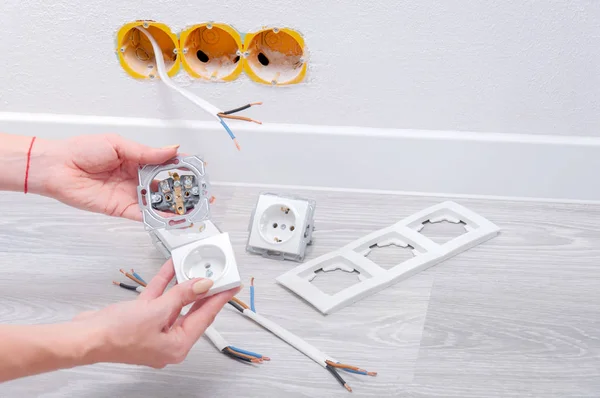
x: 558, y: 168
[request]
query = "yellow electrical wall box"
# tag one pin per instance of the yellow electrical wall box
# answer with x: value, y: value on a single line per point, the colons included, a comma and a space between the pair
x: 215, y: 51
x: 135, y: 50
x: 211, y: 51
x: 275, y: 56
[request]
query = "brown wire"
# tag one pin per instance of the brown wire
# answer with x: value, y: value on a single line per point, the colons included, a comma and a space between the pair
x: 344, y: 366
x: 239, y: 354
x: 240, y: 303
x: 133, y: 278
x: 235, y: 117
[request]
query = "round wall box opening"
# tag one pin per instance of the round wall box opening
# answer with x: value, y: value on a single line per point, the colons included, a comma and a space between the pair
x: 135, y: 50
x: 205, y: 262
x: 277, y: 224
x: 275, y: 56
x: 212, y: 51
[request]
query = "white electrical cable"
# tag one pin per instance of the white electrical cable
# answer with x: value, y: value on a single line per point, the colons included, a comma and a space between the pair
x: 162, y: 73
x: 216, y: 338
x: 290, y: 338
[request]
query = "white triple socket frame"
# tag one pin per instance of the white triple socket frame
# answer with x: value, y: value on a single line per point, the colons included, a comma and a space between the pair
x: 374, y: 278
x: 263, y: 232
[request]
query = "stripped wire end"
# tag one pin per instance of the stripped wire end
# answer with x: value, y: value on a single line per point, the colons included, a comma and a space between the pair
x: 133, y: 278
x: 243, y: 355
x: 337, y: 376
x: 350, y: 369
x: 241, y: 108
x: 252, y: 307
x: 115, y: 283
x: 243, y: 118
x: 237, y: 144
x: 137, y: 275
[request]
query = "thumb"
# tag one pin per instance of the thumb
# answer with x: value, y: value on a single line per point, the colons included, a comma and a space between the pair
x: 142, y: 154
x: 183, y: 294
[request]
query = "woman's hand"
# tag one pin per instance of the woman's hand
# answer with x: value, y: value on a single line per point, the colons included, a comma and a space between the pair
x: 149, y: 331
x: 97, y: 173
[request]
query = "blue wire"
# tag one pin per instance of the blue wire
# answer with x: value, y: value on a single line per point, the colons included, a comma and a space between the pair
x: 252, y: 354
x: 227, y: 129
x: 252, y: 299
x: 353, y: 371
x: 138, y: 276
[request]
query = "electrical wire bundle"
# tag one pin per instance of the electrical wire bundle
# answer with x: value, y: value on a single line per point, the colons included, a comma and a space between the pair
x: 211, y: 333
x: 134, y: 277
x: 307, y: 349
x: 208, y: 107
x: 231, y: 351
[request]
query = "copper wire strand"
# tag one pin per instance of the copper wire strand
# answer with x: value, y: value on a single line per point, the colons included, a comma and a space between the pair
x: 240, y: 303
x: 133, y: 278
x: 239, y: 354
x: 252, y: 281
x: 235, y: 117
x: 344, y: 366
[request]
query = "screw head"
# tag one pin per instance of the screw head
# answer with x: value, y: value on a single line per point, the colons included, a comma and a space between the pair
x: 122, y: 49
x: 185, y: 50
x: 175, y: 51
x: 209, y: 26
x: 274, y: 82
x: 275, y: 30
x: 146, y: 25
x: 151, y: 76
x: 246, y: 53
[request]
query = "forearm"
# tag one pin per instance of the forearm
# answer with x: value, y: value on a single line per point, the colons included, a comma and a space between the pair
x: 13, y: 163
x: 30, y: 350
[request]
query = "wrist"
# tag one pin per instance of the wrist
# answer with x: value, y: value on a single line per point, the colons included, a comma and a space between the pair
x: 85, y: 344
x: 44, y: 165
x: 14, y: 151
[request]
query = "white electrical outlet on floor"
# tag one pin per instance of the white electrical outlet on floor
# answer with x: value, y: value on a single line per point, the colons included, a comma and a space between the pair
x: 281, y: 227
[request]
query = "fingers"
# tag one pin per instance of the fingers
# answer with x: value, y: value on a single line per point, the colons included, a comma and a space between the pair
x: 142, y: 154
x: 185, y: 293
x: 132, y: 212
x: 159, y: 283
x: 203, y: 314
x: 154, y: 185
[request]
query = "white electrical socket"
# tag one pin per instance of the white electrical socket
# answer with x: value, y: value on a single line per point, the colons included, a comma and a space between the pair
x: 210, y: 258
x: 281, y: 227
x: 166, y: 240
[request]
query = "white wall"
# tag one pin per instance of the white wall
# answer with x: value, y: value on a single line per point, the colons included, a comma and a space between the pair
x: 506, y: 66
x: 511, y: 85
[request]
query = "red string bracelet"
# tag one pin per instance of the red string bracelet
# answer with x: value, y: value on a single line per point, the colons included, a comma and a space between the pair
x: 28, y: 161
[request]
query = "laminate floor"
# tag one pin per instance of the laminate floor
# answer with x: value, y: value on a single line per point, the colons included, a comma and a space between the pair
x: 514, y: 317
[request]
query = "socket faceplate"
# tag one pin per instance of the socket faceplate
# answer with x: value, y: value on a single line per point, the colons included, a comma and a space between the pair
x: 281, y: 227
